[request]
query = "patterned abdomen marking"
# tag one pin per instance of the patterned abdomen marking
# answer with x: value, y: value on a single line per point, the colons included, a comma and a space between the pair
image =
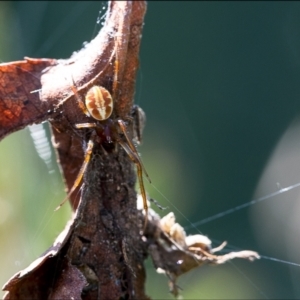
x: 99, y: 103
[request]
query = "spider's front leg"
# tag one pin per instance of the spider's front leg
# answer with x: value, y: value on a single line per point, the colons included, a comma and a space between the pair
x: 134, y: 156
x: 130, y: 144
x: 87, y: 158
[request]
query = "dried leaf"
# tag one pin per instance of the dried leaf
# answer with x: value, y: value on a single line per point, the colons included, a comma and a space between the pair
x: 95, y: 253
x: 174, y: 253
x: 19, y: 105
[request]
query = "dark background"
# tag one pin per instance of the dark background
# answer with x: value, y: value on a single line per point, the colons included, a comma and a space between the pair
x: 219, y: 82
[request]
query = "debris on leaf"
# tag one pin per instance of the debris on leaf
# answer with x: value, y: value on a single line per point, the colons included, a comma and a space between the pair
x: 174, y: 253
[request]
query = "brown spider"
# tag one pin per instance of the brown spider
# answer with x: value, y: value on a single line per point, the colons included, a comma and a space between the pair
x: 99, y: 104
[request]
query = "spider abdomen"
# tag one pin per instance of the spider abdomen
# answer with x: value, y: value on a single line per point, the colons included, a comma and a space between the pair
x: 99, y: 103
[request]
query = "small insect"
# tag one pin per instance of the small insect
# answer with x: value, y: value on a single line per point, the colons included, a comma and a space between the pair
x: 99, y: 104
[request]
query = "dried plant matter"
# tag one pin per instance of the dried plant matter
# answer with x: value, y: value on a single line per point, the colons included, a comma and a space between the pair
x: 174, y: 253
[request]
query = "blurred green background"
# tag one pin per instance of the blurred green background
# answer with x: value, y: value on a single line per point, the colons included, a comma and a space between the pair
x: 220, y: 84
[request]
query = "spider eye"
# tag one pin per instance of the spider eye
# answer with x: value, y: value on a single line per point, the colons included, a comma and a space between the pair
x: 99, y: 103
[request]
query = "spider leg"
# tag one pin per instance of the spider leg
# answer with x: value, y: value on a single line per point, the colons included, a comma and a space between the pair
x: 115, y: 81
x: 90, y: 83
x: 132, y: 147
x: 86, y: 125
x: 133, y: 156
x: 116, y: 69
x: 87, y: 158
x: 79, y: 100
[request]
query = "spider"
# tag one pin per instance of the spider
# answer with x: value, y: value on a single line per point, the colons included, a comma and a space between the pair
x: 99, y: 104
